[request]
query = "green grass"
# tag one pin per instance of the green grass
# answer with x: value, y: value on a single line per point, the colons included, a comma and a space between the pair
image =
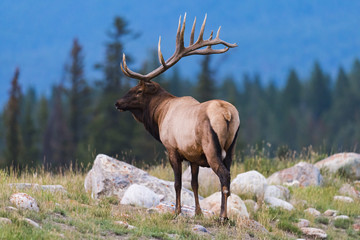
x: 75, y: 215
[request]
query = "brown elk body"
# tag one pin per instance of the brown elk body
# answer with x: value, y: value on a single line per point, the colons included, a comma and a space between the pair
x: 203, y: 134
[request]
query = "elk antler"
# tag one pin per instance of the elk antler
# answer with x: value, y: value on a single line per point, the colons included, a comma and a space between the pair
x: 181, y: 50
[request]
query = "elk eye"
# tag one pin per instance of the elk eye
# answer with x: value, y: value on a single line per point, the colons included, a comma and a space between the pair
x: 139, y: 92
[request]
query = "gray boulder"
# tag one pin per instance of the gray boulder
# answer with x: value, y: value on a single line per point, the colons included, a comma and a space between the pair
x: 24, y: 201
x: 277, y: 191
x: 278, y: 203
x: 207, y: 179
x: 349, y: 162
x: 305, y: 173
x: 111, y: 177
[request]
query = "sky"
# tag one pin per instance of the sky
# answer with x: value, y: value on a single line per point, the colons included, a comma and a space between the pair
x: 272, y: 36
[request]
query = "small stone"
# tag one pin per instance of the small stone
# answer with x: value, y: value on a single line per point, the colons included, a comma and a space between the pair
x: 11, y: 209
x: 330, y: 213
x: 5, y: 220
x: 303, y: 223
x: 356, y: 227
x: 124, y: 224
x: 342, y: 217
x: 348, y: 190
x: 343, y: 199
x: 31, y: 222
x: 24, y: 201
x: 314, y: 232
x: 199, y: 228
x: 275, y: 202
x: 312, y: 211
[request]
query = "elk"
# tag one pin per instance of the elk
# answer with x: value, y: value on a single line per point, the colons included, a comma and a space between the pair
x: 203, y: 134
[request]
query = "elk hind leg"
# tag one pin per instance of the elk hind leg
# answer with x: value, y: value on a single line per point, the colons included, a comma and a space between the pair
x: 213, y: 153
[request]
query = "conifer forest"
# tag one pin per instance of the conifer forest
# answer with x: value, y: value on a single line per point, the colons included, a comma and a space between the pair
x: 78, y: 119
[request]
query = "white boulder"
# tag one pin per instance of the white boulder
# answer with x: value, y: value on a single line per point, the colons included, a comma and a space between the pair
x: 250, y: 183
x: 235, y: 206
x: 24, y: 201
x: 312, y: 211
x: 278, y: 203
x: 343, y: 199
x: 277, y: 191
x: 140, y: 196
x: 111, y: 177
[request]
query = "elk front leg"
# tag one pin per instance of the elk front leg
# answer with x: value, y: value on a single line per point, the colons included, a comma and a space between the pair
x: 195, y: 187
x: 175, y: 162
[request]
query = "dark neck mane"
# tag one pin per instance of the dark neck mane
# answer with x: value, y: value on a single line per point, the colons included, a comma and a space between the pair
x: 153, y: 111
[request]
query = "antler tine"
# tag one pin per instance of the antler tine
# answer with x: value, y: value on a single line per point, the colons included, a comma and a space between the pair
x: 200, y: 38
x: 218, y: 33
x: 161, y: 58
x: 192, y: 32
x: 181, y: 42
x: 132, y: 74
x: 178, y: 32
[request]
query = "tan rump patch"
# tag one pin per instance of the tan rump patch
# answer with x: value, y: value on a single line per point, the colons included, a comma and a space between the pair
x: 227, y: 115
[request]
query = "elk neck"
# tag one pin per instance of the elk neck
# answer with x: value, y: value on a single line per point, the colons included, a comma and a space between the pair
x: 154, y: 112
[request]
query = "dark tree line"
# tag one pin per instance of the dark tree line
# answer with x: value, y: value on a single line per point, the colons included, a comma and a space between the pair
x: 79, y: 119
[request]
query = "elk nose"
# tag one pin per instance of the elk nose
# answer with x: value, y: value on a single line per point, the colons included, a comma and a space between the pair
x: 117, y: 105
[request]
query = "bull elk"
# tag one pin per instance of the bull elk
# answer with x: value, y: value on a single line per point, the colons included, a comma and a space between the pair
x: 203, y: 134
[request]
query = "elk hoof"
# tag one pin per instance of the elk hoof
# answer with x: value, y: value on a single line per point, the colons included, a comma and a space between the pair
x: 223, y: 220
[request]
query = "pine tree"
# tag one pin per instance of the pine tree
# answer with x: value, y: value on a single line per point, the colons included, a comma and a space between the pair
x: 29, y: 131
x: 14, y: 144
x: 78, y: 94
x: 111, y: 131
x: 205, y: 89
x: 57, y: 139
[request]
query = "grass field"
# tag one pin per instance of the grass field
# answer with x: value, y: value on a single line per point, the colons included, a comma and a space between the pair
x: 75, y: 215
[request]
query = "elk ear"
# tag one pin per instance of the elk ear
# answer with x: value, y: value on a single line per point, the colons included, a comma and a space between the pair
x: 150, y: 87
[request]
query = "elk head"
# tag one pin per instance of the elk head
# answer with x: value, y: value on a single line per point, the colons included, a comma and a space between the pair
x: 140, y: 95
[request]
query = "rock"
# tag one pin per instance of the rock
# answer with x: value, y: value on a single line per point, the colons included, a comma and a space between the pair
x: 35, y: 186
x: 168, y: 207
x: 305, y: 173
x: 350, y: 162
x: 32, y: 223
x: 356, y: 227
x: 348, y: 190
x: 5, y: 221
x: 294, y: 183
x: 343, y: 199
x: 312, y: 211
x: 111, y: 177
x: 124, y: 224
x: 251, y: 205
x: 199, y: 228
x: 11, y: 209
x: 249, y: 224
x: 250, y: 183
x: 207, y: 179
x: 278, y: 203
x: 341, y: 217
x: 303, y: 223
x: 24, y: 201
x: 277, y: 191
x: 140, y: 196
x: 314, y: 232
x: 235, y: 206
x: 330, y: 212
x: 53, y: 188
